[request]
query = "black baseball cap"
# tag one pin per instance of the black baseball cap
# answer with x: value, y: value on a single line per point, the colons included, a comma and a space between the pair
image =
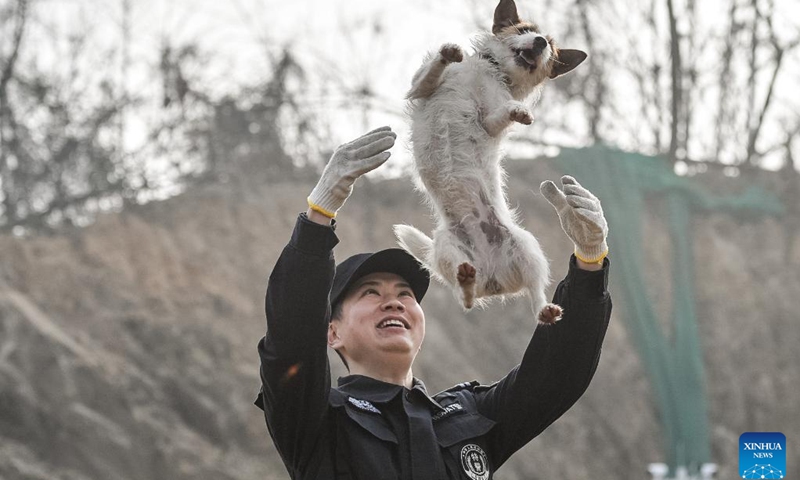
x: 391, y: 260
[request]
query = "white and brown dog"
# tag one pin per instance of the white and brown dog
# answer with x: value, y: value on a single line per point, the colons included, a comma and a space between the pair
x: 460, y: 108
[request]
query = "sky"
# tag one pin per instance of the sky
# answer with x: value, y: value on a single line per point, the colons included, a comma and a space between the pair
x: 348, y: 43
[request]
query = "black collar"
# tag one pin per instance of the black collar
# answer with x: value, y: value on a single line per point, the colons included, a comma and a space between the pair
x: 372, y: 390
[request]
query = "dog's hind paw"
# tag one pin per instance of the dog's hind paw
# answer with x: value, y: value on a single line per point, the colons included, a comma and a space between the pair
x: 550, y: 314
x: 451, y: 53
x: 466, y: 275
x: 466, y: 280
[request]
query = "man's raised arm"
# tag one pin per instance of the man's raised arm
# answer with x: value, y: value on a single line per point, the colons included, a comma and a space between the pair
x: 561, y: 359
x: 294, y: 363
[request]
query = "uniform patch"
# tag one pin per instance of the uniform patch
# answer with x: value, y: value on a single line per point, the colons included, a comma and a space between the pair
x: 475, y: 462
x: 363, y: 405
x: 456, y: 407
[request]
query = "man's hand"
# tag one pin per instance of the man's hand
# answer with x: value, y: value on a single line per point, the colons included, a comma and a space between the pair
x: 348, y: 162
x: 581, y: 218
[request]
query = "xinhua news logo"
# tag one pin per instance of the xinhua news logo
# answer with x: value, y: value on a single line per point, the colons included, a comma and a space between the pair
x: 762, y: 455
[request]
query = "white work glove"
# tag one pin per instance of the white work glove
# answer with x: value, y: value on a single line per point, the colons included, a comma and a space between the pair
x: 349, y: 162
x: 581, y: 218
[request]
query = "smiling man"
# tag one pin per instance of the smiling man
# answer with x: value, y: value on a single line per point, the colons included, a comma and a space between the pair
x: 377, y: 325
x: 380, y: 422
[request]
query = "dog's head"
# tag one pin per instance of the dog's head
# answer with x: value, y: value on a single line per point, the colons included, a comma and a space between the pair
x: 527, y: 55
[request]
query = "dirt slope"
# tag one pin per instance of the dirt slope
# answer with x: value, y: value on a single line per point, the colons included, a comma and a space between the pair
x: 127, y: 349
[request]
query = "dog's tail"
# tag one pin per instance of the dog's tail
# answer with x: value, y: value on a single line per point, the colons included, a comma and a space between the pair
x: 414, y: 242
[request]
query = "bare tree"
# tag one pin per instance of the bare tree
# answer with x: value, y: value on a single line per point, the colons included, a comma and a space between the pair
x: 63, y: 127
x: 669, y: 53
x: 54, y: 157
x: 676, y: 83
x: 18, y: 14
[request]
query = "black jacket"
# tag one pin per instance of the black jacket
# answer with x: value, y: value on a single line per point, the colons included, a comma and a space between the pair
x: 370, y: 430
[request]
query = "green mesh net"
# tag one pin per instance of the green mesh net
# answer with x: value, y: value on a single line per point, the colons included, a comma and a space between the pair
x: 674, y: 365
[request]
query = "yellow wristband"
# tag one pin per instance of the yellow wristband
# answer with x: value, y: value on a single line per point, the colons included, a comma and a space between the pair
x: 321, y: 210
x: 597, y: 260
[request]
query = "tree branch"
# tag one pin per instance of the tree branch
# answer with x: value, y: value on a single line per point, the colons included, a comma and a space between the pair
x: 6, y: 115
x: 655, y: 71
x: 19, y: 30
x: 724, y: 83
x: 595, y: 73
x: 751, y: 81
x: 756, y: 130
x: 677, y: 87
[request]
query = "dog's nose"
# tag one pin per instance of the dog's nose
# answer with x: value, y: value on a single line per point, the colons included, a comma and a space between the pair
x: 539, y: 43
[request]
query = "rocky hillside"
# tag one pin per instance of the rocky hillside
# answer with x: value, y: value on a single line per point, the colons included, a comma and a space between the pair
x: 128, y: 348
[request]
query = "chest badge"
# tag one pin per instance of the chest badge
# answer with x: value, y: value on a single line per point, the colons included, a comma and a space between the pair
x: 475, y: 462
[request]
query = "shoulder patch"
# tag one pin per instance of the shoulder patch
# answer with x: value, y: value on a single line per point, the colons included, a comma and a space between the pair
x: 448, y: 410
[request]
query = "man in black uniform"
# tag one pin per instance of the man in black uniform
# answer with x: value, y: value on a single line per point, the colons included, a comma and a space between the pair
x: 380, y: 422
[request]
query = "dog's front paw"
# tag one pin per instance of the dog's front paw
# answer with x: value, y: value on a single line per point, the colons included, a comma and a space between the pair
x: 518, y: 113
x: 451, y: 53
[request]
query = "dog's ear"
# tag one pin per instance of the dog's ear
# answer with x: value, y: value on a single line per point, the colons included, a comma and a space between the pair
x: 505, y: 15
x: 566, y: 61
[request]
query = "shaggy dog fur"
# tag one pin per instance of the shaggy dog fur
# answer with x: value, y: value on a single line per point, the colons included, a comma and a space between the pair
x: 460, y: 108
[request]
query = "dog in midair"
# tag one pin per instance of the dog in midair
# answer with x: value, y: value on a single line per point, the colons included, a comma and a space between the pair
x: 460, y: 108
